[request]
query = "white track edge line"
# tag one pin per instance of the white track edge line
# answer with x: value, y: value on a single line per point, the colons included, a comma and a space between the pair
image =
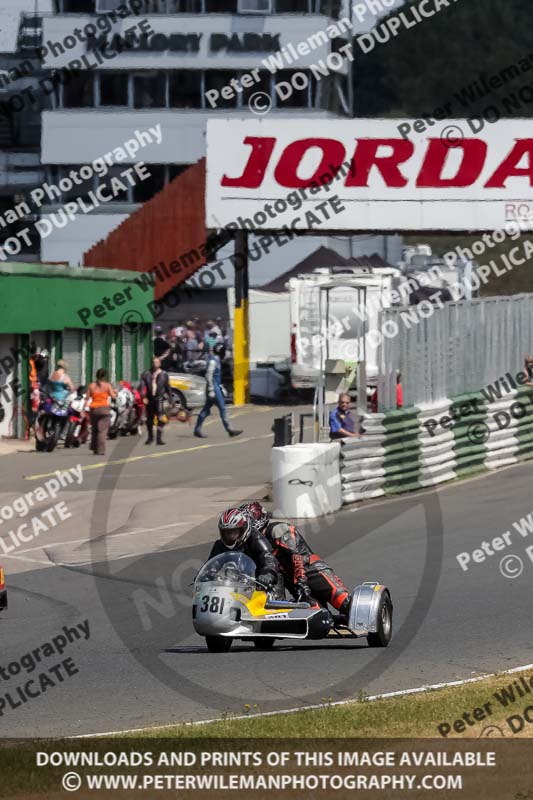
x: 315, y: 707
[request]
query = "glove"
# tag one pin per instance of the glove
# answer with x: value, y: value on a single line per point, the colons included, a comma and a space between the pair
x: 266, y: 580
x: 211, y: 395
x: 224, y: 391
x: 303, y: 593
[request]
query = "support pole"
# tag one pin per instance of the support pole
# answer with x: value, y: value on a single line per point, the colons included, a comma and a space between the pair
x: 241, y: 332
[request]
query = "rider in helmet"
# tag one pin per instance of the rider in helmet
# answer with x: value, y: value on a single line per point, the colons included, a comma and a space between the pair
x: 306, y: 575
x: 237, y: 532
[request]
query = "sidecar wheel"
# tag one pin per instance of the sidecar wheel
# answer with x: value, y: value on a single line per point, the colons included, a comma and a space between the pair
x: 384, y: 632
x: 218, y: 644
x: 264, y: 643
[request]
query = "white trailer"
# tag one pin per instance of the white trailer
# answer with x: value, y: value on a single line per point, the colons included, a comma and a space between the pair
x: 355, y: 297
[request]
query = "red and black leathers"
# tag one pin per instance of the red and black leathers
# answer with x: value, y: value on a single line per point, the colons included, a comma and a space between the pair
x: 304, y: 572
x: 260, y: 551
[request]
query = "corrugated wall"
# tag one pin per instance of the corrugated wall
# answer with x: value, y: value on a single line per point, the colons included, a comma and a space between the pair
x: 167, y: 232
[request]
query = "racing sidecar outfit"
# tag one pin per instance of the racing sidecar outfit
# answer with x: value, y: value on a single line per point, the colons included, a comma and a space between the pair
x: 305, y: 573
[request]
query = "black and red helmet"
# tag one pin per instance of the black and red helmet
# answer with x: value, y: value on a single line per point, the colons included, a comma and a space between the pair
x: 258, y: 513
x: 235, y: 527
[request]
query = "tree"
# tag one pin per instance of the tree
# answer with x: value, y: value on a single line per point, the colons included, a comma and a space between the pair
x: 428, y: 65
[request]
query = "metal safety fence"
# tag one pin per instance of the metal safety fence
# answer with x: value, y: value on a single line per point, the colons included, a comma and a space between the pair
x: 449, y: 351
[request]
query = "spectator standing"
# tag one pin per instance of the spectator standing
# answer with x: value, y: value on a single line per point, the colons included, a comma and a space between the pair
x: 399, y: 395
x: 193, y: 348
x: 171, y: 360
x: 41, y: 365
x: 154, y: 388
x: 399, y: 390
x: 212, y: 336
x: 341, y: 422
x: 160, y: 346
x: 35, y: 397
x: 99, y: 395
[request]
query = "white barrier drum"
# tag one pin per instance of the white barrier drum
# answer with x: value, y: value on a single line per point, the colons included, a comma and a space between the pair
x: 306, y: 480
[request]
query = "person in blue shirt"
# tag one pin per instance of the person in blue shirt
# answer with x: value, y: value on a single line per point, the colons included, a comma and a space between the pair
x: 215, y: 393
x: 59, y: 383
x: 341, y: 422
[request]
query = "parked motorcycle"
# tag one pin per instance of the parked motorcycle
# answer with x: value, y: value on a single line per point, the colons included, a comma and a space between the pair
x: 78, y: 424
x: 50, y: 422
x: 125, y: 411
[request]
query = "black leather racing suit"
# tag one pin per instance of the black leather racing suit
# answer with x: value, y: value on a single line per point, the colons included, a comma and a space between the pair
x: 260, y: 551
x: 303, y: 570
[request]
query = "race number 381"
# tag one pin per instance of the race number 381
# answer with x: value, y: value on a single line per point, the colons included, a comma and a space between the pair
x: 215, y: 604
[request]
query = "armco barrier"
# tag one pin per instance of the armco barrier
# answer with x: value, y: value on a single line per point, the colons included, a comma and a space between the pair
x: 401, y: 451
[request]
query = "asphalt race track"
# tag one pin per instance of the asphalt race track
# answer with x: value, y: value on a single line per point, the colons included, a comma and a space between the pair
x: 151, y: 527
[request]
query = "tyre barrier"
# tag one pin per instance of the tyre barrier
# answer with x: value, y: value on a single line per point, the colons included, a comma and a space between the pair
x: 422, y: 446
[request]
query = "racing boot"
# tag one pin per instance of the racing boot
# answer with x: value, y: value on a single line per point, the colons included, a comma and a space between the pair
x: 342, y: 617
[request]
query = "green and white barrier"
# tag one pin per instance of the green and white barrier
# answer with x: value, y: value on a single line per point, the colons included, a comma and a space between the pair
x: 414, y: 448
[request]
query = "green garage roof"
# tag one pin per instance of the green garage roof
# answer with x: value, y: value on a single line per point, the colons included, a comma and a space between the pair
x: 69, y: 273
x: 36, y: 297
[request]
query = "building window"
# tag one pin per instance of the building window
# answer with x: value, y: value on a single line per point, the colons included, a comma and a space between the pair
x: 221, y: 6
x: 161, y: 175
x: 77, y: 6
x: 81, y: 190
x: 300, y: 84
x: 263, y: 86
x: 79, y: 91
x: 186, y: 7
x: 293, y: 7
x: 113, y: 89
x: 144, y: 190
x: 154, y: 6
x: 185, y: 89
x: 149, y: 90
x: 218, y: 79
x: 115, y: 172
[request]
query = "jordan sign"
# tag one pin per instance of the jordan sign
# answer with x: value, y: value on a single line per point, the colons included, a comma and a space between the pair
x: 384, y: 174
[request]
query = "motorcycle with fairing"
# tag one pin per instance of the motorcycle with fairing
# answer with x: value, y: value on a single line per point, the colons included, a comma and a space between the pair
x: 50, y: 422
x: 229, y: 603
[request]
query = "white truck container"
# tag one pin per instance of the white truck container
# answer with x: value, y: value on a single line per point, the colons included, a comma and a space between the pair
x: 355, y: 297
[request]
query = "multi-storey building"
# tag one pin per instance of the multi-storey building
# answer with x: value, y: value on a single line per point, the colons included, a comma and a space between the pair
x: 165, y: 78
x: 20, y: 137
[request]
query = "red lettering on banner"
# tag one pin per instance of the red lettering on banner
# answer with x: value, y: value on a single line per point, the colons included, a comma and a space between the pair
x: 474, y: 152
x: 254, y: 171
x: 509, y: 165
x: 333, y: 153
x: 366, y: 157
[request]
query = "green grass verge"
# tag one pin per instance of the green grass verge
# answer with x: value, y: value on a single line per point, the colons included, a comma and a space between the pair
x: 415, y: 716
